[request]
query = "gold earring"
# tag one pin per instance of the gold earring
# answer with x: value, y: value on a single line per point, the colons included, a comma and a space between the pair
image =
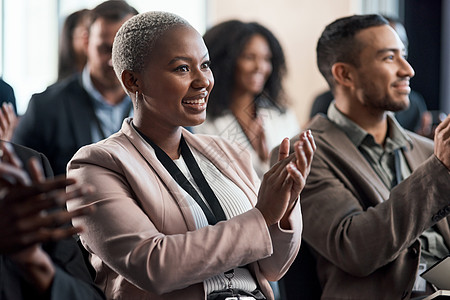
x: 137, y: 97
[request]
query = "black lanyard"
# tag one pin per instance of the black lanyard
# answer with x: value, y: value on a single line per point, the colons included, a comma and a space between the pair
x: 217, y: 214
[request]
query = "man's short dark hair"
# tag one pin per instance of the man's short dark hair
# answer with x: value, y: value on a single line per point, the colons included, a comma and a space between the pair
x: 113, y: 11
x: 337, y: 42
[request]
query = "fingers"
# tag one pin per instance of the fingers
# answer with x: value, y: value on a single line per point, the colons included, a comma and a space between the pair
x: 443, y: 128
x: 10, y: 175
x: 56, y: 219
x: 9, y: 156
x: 295, y: 176
x: 34, y: 199
x: 8, y: 121
x: 23, y: 194
x: 442, y: 142
x: 304, y: 150
x: 36, y: 170
x: 43, y: 235
x: 10, y: 114
x: 42, y: 228
x: 284, y: 149
x: 11, y: 172
x: 3, y: 122
x: 58, y: 183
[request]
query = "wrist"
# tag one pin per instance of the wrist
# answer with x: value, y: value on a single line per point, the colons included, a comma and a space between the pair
x: 285, y: 222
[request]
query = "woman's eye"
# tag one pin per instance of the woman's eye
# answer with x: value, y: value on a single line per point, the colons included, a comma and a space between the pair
x: 182, y: 68
x: 206, y: 65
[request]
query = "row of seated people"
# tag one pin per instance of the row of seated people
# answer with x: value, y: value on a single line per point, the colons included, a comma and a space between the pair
x: 369, y: 180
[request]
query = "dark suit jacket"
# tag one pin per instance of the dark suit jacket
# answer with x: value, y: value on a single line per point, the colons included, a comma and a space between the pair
x: 57, y: 122
x: 365, y: 236
x: 7, y: 94
x: 72, y: 279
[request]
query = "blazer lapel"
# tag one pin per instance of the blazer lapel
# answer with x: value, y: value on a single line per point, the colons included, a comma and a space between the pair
x: 149, y: 156
x: 80, y: 112
x: 414, y: 158
x: 338, y: 140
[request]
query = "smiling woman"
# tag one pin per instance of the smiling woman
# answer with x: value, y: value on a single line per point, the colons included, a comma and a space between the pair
x: 176, y: 211
x: 183, y: 72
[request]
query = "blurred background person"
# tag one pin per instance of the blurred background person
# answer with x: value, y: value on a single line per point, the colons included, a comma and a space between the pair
x: 84, y: 108
x: 73, y: 43
x: 72, y: 59
x: 247, y: 104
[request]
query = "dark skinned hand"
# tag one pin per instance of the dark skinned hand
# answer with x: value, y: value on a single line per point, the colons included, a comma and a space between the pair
x: 32, y: 211
x: 282, y: 184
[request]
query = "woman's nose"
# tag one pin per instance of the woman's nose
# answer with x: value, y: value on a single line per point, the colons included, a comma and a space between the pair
x: 202, y: 79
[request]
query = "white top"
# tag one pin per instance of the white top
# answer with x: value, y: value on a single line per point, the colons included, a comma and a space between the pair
x: 230, y: 198
x: 276, y: 125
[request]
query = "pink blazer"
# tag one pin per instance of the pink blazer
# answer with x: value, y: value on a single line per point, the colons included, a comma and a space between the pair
x: 142, y: 236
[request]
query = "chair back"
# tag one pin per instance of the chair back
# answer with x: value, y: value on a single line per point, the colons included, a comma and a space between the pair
x: 301, y: 281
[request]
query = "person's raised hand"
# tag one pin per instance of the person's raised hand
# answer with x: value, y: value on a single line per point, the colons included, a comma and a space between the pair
x: 32, y: 210
x: 8, y: 121
x: 442, y: 142
x: 283, y: 183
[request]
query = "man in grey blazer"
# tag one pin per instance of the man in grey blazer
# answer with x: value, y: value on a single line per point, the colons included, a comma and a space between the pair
x: 376, y: 203
x: 86, y: 107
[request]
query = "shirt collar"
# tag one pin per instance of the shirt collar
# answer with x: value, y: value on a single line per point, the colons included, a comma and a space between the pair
x: 357, y: 135
x: 92, y: 90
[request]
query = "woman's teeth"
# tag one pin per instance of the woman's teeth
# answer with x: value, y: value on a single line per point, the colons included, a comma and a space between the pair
x: 196, y: 101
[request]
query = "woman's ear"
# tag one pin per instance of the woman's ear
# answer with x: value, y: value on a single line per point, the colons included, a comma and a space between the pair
x: 130, y: 81
x: 343, y: 74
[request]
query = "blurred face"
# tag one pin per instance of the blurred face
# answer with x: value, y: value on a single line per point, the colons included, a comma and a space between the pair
x: 177, y: 79
x: 253, y: 66
x: 80, y: 38
x: 101, y: 38
x: 382, y: 79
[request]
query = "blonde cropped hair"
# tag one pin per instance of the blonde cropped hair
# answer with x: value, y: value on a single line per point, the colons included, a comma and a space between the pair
x: 136, y: 38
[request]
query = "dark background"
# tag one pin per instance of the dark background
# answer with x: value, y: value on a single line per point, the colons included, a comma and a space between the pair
x: 423, y: 23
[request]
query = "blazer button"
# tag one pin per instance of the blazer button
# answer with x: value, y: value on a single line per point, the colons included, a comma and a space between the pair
x: 405, y: 294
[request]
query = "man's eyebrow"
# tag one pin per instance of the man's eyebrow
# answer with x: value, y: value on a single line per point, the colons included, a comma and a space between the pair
x: 384, y: 50
x: 184, y: 58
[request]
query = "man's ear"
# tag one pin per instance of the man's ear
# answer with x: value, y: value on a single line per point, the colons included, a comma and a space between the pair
x: 343, y: 74
x: 130, y: 81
